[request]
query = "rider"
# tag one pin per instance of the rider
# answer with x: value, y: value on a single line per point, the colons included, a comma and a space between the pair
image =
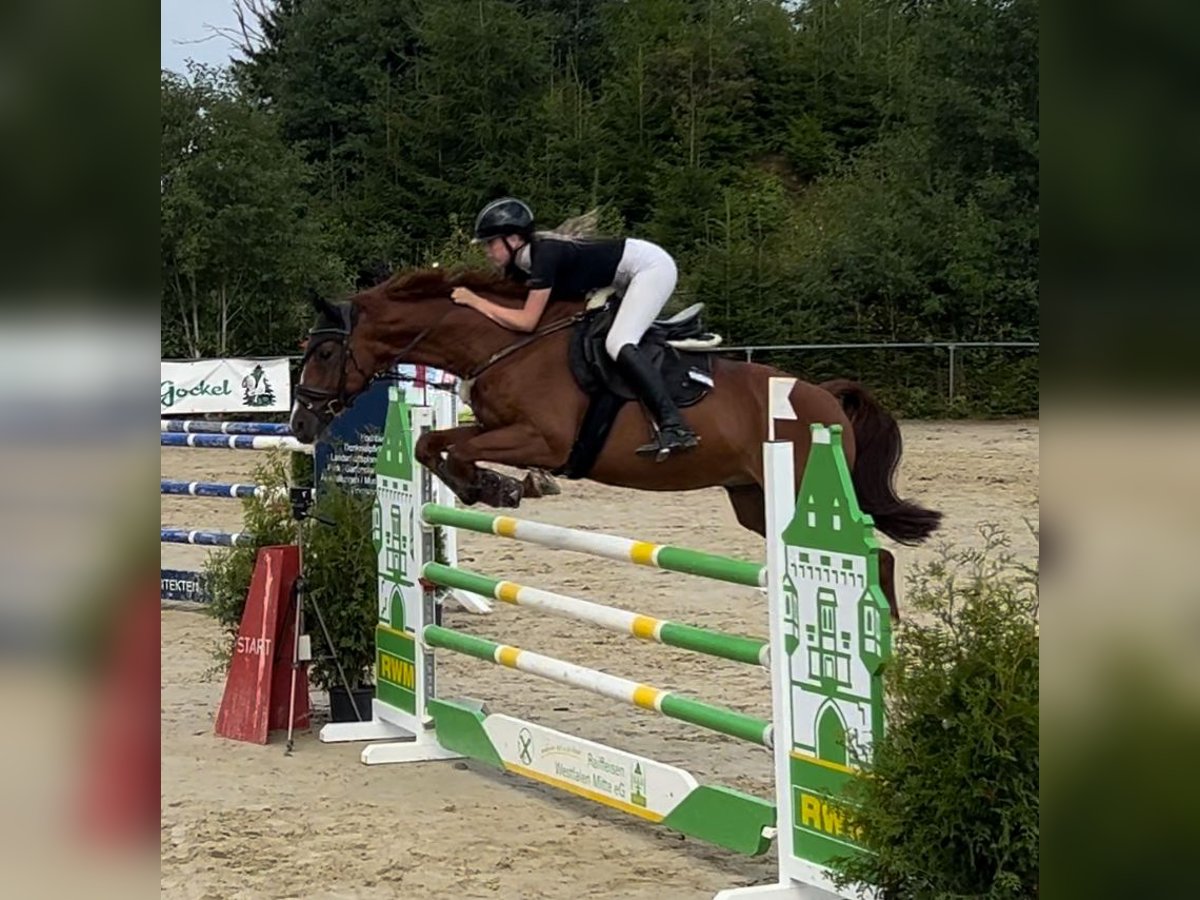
x: 557, y: 266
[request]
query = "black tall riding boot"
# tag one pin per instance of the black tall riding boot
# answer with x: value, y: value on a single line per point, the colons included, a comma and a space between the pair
x: 673, y: 433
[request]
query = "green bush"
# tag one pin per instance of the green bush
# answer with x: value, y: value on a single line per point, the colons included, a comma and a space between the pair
x: 339, y: 567
x: 951, y: 809
x: 228, y: 570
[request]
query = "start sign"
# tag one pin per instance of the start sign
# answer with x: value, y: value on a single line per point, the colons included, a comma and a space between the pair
x: 258, y: 688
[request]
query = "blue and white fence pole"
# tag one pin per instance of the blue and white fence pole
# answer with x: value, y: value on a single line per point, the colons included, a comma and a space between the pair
x: 200, y: 426
x: 206, y: 538
x: 219, y: 489
x: 234, y: 442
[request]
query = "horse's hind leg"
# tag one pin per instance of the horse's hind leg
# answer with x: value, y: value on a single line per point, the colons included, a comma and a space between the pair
x: 750, y: 507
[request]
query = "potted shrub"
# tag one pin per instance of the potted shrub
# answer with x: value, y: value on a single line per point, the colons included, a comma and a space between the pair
x: 340, y: 567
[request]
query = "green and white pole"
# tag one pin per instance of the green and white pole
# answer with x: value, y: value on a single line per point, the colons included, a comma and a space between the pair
x: 753, y: 651
x: 608, y: 546
x: 715, y: 718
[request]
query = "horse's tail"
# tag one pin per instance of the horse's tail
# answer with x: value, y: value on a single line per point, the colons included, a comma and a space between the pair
x: 877, y: 438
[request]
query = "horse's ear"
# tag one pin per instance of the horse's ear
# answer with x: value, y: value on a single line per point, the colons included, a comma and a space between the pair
x: 322, y: 306
x: 372, y: 275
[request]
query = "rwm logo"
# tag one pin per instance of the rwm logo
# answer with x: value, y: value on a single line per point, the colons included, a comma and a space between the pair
x: 397, y: 671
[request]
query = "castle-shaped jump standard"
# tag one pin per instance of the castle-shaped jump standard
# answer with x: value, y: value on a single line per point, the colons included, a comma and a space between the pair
x: 831, y: 635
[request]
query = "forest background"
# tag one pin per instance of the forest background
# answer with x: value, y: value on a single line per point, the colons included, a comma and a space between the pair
x: 824, y: 172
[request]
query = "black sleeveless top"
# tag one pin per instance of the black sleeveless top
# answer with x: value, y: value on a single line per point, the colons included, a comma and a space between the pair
x: 570, y: 267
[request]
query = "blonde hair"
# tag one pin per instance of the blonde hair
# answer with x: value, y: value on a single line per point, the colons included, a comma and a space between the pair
x: 584, y: 226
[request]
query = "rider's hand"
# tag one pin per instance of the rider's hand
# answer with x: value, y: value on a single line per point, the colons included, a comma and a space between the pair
x: 463, y: 296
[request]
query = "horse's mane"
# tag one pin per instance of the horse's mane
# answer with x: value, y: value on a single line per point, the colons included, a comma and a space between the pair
x: 417, y: 284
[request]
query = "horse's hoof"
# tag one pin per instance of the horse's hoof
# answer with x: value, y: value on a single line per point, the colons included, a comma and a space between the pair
x: 500, y: 491
x: 509, y: 493
x: 539, y: 484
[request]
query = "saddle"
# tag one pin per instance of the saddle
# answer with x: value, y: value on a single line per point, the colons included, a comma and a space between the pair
x: 674, y: 346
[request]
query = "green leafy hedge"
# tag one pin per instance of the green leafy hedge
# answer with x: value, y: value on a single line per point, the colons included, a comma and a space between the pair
x: 951, y: 809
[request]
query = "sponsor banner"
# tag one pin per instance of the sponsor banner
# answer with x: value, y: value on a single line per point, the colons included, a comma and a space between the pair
x: 625, y: 781
x: 180, y: 584
x: 225, y: 386
x: 347, y: 453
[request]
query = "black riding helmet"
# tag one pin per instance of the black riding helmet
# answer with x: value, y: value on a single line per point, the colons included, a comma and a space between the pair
x: 508, y: 215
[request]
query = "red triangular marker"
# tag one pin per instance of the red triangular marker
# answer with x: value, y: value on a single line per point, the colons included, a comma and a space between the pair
x: 259, y: 681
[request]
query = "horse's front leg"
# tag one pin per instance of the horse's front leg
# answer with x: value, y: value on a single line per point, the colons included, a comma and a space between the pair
x: 432, y: 444
x: 540, y: 483
x: 431, y: 450
x: 513, y: 445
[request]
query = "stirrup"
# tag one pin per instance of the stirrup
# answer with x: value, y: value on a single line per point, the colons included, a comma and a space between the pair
x: 660, y: 449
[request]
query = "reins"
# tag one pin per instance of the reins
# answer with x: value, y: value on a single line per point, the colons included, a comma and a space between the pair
x: 521, y: 344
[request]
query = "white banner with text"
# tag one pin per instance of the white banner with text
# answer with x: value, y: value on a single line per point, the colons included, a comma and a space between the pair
x: 225, y: 386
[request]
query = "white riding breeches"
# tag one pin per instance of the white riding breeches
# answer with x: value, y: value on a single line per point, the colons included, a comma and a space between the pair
x: 646, y: 276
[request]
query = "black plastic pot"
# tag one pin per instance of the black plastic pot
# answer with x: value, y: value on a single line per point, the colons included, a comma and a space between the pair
x: 341, y: 707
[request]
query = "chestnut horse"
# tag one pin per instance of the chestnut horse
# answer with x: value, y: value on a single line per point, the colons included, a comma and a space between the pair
x: 528, y: 407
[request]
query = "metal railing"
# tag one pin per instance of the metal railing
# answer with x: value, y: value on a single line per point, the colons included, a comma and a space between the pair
x: 952, y: 348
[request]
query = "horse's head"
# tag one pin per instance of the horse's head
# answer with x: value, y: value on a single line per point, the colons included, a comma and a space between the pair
x: 409, y: 318
x: 333, y: 372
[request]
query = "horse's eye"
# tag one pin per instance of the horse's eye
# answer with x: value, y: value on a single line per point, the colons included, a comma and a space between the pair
x: 326, y: 354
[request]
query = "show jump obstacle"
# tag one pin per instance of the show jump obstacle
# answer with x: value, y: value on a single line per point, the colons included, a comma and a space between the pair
x: 829, y: 640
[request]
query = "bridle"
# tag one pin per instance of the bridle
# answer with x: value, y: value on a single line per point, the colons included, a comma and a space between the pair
x: 323, y: 402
